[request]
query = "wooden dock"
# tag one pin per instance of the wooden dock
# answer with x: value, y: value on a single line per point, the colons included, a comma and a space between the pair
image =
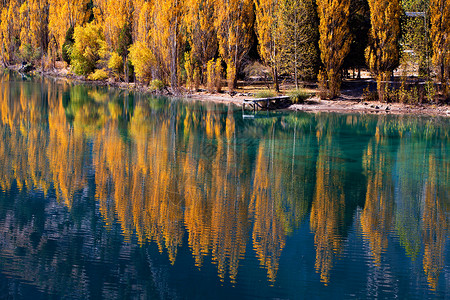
x: 262, y: 103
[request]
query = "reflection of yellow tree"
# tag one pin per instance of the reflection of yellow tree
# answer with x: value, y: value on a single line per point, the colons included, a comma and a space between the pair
x: 24, y: 140
x: 327, y: 211
x: 377, y: 218
x: 137, y: 183
x: 435, y: 224
x: 36, y: 158
x: 113, y: 176
x: 228, y: 213
x: 66, y: 151
x: 269, y: 236
x: 197, y: 215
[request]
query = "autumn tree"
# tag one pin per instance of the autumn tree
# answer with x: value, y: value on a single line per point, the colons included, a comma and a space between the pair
x: 440, y: 36
x: 9, y: 31
x: 166, y: 38
x: 234, y: 23
x: 142, y: 58
x: 142, y: 50
x: 116, y: 19
x: 267, y: 14
x: 383, y: 52
x: 88, y: 48
x: 334, y: 42
x: 33, y: 28
x: 201, y: 33
x: 63, y: 15
x: 299, y: 39
x: 113, y: 16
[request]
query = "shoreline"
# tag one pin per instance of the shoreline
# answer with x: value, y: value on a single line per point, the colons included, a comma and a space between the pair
x: 344, y: 104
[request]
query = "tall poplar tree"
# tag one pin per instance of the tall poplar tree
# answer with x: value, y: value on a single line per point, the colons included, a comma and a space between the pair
x: 142, y: 52
x: 116, y: 15
x: 234, y: 24
x: 201, y: 33
x: 334, y: 42
x: 299, y: 39
x: 167, y: 36
x: 440, y: 35
x: 267, y: 13
x: 9, y: 31
x: 33, y: 28
x: 383, y: 52
x: 64, y: 14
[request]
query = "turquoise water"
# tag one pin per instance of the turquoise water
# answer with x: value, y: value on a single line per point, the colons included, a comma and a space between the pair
x: 107, y: 194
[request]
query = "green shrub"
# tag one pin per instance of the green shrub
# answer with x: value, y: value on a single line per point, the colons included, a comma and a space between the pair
x: 89, y: 46
x: 299, y: 96
x: 28, y: 53
x: 265, y: 94
x: 99, y: 74
x: 156, y: 85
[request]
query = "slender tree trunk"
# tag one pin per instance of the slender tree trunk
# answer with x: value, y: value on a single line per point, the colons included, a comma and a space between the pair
x: 125, y: 69
x: 275, y: 79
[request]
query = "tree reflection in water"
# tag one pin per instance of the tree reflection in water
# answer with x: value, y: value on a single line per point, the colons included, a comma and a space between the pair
x: 168, y: 172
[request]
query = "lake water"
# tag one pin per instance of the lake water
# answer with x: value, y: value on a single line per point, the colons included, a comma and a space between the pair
x: 106, y: 194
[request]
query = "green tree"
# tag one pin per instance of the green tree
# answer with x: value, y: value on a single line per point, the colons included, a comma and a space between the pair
x: 299, y: 39
x: 67, y: 46
x: 359, y: 24
x: 124, y: 42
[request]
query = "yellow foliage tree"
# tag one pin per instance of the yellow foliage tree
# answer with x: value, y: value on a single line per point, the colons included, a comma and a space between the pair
x: 167, y: 37
x: 383, y: 52
x: 200, y: 30
x: 142, y: 50
x: 9, y: 30
x: 33, y: 28
x: 142, y: 59
x: 64, y: 14
x: 440, y: 35
x: 334, y: 42
x: 113, y: 15
x: 88, y: 48
x: 269, y: 36
x: 234, y: 23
